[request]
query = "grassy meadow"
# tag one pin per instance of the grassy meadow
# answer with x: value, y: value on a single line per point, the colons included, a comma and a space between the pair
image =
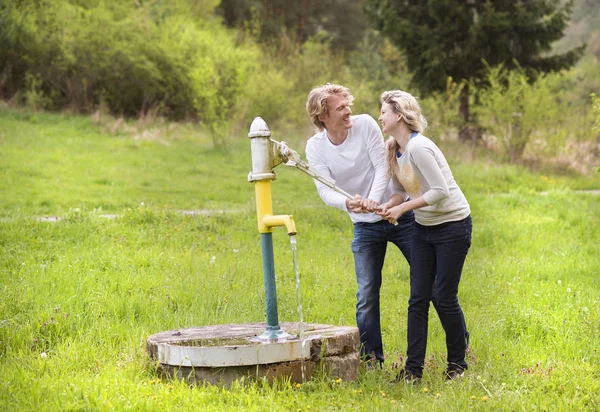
x: 96, y: 255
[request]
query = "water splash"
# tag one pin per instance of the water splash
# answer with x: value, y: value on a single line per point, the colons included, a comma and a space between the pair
x: 299, y: 299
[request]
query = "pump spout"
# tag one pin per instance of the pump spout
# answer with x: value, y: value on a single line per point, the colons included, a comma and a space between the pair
x: 280, y: 220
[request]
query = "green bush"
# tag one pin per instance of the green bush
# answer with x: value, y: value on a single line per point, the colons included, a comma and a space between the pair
x: 441, y: 110
x: 265, y: 94
x: 515, y: 110
x: 134, y: 56
x: 176, y: 60
x: 277, y: 88
x: 375, y: 66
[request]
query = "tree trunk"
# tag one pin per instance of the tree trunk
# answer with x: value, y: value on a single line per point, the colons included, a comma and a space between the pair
x: 6, y: 73
x: 464, y: 104
x: 468, y: 131
x: 301, y: 18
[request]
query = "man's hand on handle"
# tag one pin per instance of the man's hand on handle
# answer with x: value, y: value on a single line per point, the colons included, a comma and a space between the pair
x: 355, y: 205
x: 369, y: 205
x: 360, y: 205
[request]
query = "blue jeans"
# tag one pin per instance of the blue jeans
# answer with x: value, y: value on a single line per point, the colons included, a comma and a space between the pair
x: 438, y: 256
x: 369, y: 247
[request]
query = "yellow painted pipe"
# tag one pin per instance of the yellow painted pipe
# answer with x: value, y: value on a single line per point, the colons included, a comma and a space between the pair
x: 264, y: 210
x: 264, y: 206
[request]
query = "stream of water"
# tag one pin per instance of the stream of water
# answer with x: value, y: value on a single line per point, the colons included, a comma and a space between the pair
x: 298, y: 297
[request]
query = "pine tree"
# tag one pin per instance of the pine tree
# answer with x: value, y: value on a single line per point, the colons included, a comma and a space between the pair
x: 451, y: 38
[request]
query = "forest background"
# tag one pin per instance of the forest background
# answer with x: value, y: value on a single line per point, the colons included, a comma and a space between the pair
x: 219, y: 64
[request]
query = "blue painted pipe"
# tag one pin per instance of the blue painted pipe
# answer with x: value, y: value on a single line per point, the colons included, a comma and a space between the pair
x: 269, y: 278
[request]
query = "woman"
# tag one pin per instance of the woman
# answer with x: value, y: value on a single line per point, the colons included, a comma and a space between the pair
x: 442, y: 234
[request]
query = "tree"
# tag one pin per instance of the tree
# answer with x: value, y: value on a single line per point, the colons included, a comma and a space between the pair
x: 343, y: 21
x: 450, y: 38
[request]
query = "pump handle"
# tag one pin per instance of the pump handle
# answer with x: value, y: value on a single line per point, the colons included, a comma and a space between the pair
x: 293, y: 159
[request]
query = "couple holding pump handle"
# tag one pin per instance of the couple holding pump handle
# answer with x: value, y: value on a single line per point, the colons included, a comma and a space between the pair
x: 434, y: 239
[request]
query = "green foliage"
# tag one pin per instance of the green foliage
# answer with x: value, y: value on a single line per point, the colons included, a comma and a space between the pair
x: 137, y: 58
x: 277, y: 90
x: 174, y: 59
x: 516, y: 110
x: 277, y: 85
x: 342, y: 22
x: 375, y: 66
x: 267, y: 94
x: 35, y: 97
x: 578, y: 82
x: 441, y: 109
x: 444, y: 39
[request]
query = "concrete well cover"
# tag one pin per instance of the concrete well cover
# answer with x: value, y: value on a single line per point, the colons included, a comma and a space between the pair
x: 231, y: 345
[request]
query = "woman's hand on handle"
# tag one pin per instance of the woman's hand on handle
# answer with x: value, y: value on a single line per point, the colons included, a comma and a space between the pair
x: 392, y: 214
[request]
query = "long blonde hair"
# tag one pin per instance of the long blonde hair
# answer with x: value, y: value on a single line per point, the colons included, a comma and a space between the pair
x: 406, y: 105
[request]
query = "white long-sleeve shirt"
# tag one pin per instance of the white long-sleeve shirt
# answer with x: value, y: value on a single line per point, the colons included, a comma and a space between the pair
x: 424, y: 171
x: 357, y: 166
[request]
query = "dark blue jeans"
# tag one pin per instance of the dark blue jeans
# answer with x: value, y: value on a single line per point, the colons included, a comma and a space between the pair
x: 369, y: 247
x: 438, y: 256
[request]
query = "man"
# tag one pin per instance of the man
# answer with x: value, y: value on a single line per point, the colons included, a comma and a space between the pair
x: 350, y: 150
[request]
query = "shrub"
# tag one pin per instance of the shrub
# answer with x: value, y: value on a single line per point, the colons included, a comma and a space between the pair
x: 441, y: 110
x: 514, y: 110
x: 136, y: 58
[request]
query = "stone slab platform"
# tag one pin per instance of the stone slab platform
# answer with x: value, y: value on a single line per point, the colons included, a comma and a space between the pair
x: 225, y: 353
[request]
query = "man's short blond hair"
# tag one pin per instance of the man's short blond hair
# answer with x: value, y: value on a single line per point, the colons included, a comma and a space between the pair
x: 316, y: 105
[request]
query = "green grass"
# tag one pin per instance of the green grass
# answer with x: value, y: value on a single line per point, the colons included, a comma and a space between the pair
x: 87, y: 291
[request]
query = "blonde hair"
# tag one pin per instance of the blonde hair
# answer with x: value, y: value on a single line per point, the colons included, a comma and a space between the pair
x: 316, y: 105
x: 406, y: 105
